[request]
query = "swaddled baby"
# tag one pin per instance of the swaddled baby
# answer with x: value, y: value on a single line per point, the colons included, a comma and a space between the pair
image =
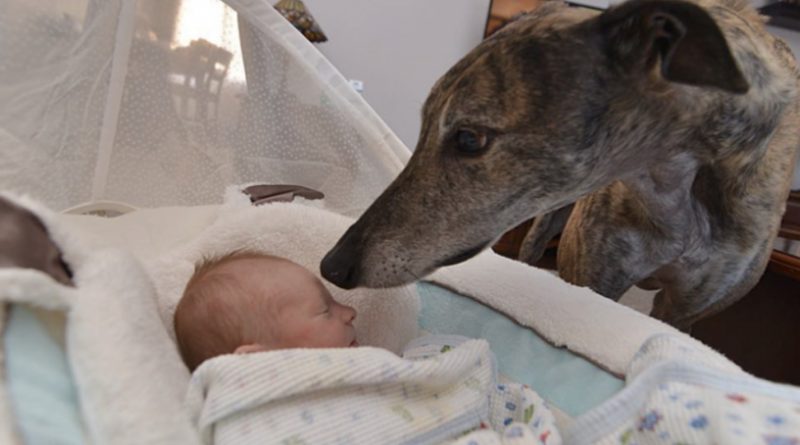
x: 273, y: 362
x: 250, y: 302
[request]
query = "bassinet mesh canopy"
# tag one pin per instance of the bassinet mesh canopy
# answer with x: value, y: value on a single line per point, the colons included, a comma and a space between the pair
x: 166, y: 102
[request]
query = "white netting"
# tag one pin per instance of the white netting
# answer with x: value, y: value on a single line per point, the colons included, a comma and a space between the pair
x: 166, y: 102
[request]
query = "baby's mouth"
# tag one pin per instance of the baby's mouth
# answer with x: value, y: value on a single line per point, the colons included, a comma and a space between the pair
x: 354, y: 343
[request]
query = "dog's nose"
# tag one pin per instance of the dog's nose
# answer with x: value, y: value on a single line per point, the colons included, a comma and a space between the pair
x: 341, y: 265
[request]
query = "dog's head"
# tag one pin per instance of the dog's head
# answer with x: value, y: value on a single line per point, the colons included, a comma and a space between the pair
x: 533, y: 118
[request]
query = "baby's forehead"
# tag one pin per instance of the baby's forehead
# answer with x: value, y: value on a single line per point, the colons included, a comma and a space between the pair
x: 273, y: 273
x: 264, y: 266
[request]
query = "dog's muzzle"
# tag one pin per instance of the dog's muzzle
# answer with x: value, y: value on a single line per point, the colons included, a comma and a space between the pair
x: 342, y: 265
x: 463, y: 255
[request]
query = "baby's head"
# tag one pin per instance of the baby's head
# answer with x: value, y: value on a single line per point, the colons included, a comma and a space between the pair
x: 252, y: 302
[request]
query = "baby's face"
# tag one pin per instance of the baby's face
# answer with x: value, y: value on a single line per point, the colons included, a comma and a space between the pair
x: 302, y: 310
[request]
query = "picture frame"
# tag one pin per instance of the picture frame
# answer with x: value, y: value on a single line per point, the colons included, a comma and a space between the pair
x: 504, y: 11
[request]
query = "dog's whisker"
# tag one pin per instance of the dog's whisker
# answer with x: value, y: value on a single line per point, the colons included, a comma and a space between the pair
x: 408, y: 271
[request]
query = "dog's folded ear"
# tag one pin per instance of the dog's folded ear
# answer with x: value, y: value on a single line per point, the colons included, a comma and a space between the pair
x: 678, y: 37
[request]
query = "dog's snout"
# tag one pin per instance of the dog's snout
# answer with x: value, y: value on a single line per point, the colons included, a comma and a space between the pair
x: 341, y: 265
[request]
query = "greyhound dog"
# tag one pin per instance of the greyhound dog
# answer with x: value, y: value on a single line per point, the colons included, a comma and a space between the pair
x: 675, y: 122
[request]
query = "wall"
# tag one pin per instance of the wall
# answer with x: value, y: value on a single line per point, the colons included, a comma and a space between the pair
x: 398, y: 49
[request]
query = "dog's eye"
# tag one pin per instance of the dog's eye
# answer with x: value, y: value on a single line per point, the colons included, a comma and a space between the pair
x: 471, y: 142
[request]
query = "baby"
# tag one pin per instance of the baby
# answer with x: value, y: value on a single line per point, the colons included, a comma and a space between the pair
x: 247, y: 302
x: 277, y: 368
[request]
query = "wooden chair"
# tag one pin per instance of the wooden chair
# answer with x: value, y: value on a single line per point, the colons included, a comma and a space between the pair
x: 203, y: 67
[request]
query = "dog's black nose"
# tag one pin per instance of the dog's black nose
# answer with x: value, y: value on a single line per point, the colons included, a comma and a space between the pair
x: 341, y: 265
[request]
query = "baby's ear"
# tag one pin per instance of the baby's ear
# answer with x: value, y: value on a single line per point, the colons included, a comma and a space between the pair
x: 249, y: 349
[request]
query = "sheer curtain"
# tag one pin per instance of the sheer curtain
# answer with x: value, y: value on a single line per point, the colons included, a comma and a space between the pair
x: 168, y: 102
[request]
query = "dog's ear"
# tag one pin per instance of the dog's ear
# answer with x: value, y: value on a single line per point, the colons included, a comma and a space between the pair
x: 678, y: 36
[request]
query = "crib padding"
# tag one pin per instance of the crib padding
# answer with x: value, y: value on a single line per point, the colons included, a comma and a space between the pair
x: 567, y: 381
x: 603, y: 331
x: 40, y: 385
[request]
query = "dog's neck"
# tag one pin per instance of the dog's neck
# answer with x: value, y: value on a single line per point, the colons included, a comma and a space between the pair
x: 733, y: 134
x: 665, y: 190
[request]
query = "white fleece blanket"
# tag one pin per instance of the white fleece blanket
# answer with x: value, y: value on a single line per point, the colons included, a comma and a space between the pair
x: 440, y: 390
x: 130, y: 379
x: 303, y: 233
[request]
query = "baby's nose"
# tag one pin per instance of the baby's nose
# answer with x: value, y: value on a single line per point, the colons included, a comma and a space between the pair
x: 349, y: 313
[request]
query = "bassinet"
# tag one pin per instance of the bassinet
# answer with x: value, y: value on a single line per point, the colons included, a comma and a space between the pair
x: 149, y: 109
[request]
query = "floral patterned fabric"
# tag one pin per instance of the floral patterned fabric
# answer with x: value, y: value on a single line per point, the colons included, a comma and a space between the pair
x: 679, y: 394
x: 517, y: 414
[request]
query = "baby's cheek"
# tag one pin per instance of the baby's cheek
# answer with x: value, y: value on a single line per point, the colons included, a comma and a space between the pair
x: 326, y: 335
x: 322, y: 334
x: 300, y: 335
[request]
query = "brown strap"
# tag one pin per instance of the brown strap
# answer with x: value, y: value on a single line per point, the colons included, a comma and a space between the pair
x: 264, y: 193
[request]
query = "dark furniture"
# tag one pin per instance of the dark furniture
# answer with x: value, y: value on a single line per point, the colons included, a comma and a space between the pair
x: 761, y: 332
